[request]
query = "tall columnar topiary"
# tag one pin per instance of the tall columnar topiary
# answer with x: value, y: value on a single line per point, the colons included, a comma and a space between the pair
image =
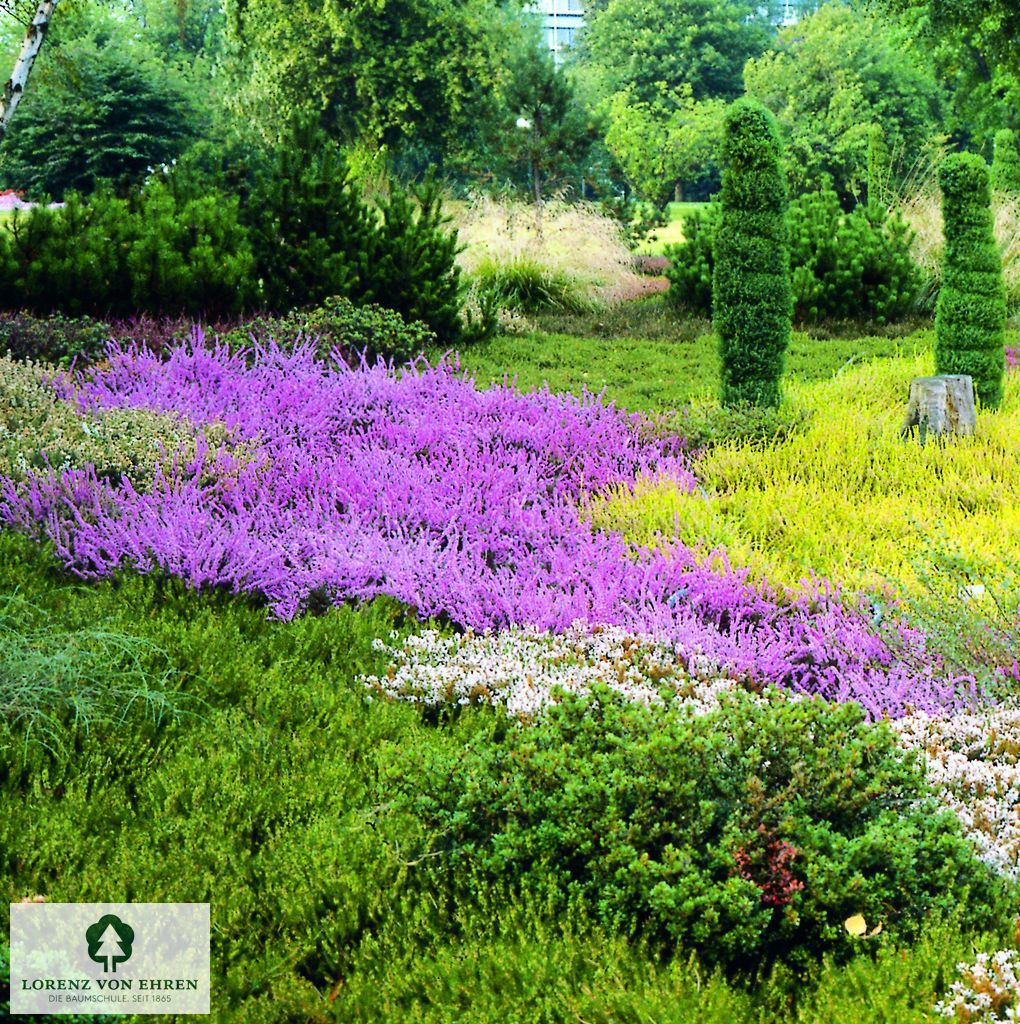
x: 751, y: 295
x: 1006, y: 163
x: 970, y: 320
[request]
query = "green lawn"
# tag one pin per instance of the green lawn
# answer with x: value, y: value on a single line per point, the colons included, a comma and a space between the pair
x: 673, y: 232
x: 648, y: 360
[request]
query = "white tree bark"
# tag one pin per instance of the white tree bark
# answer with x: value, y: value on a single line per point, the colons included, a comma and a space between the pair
x: 15, y: 87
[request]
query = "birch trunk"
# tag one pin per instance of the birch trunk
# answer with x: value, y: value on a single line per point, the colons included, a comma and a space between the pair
x: 15, y: 87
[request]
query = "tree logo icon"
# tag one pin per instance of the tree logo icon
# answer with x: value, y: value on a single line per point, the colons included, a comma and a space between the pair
x: 109, y: 941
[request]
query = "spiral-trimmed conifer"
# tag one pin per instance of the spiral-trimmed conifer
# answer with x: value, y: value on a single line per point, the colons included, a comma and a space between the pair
x: 752, y: 303
x: 970, y: 320
x: 1006, y: 163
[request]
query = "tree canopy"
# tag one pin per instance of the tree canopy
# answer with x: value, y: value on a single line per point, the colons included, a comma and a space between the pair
x: 831, y: 77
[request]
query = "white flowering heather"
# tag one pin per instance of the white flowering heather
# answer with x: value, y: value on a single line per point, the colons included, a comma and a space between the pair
x: 973, y: 760
x: 520, y: 668
x: 989, y: 991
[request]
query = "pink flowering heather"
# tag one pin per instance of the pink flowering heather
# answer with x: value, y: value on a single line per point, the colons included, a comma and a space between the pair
x: 1012, y: 355
x: 459, y: 502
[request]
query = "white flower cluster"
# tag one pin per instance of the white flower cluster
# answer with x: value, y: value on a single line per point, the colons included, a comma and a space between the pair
x: 520, y: 668
x: 973, y: 761
x: 989, y: 992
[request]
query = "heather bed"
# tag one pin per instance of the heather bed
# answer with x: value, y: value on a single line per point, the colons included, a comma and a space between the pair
x: 243, y: 566
x: 356, y: 483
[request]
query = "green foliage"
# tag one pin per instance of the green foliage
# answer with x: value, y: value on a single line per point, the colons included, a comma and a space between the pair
x: 55, y: 339
x: 1006, y: 163
x: 850, y: 266
x: 669, y: 143
x: 153, y: 252
x: 970, y: 318
x: 879, y: 171
x: 751, y: 300
x: 276, y: 803
x: 525, y: 284
x: 102, y: 106
x: 801, y: 814
x: 844, y: 266
x: 417, y: 72
x: 339, y: 324
x: 263, y: 799
x: 646, y: 49
x: 832, y: 76
x: 692, y: 262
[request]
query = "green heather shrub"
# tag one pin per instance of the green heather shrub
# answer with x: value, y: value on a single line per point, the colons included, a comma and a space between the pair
x: 751, y: 300
x: 970, y: 318
x: 338, y: 323
x: 844, y: 266
x: 748, y: 833
x: 55, y: 339
x: 39, y: 430
x: 275, y: 801
x: 703, y: 425
x: 1006, y: 163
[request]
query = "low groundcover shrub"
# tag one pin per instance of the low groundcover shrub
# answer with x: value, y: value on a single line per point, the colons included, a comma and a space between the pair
x: 748, y: 832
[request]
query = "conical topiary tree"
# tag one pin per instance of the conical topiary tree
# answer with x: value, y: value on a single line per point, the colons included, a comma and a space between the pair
x: 970, y: 320
x: 1006, y: 163
x: 752, y: 303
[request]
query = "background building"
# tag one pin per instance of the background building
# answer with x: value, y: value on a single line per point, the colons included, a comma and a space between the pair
x: 561, y: 20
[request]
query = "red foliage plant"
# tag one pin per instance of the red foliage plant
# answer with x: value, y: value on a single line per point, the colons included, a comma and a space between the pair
x: 766, y: 864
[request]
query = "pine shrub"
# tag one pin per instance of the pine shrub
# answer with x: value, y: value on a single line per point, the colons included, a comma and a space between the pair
x: 970, y: 318
x: 104, y: 255
x: 1006, y: 163
x: 850, y: 266
x: 692, y: 262
x: 751, y: 297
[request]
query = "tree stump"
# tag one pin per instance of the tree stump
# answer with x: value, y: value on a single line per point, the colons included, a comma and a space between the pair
x: 941, y: 405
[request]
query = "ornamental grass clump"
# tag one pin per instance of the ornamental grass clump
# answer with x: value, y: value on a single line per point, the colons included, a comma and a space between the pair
x: 970, y: 319
x: 752, y: 302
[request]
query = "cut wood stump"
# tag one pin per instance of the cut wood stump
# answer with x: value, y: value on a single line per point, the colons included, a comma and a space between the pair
x: 942, y: 405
